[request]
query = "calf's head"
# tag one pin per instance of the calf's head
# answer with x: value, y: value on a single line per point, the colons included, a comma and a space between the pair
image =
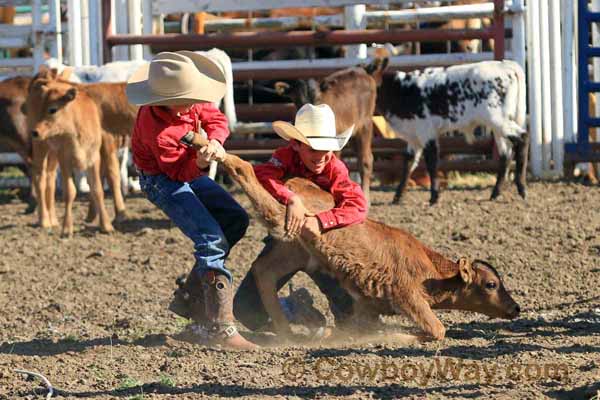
x: 47, y: 108
x: 483, y: 291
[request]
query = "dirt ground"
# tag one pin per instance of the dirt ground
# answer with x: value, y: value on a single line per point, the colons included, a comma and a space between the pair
x: 90, y: 312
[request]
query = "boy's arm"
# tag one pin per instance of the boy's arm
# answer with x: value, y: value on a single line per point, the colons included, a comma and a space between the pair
x: 213, y: 121
x: 350, y: 203
x: 271, y: 173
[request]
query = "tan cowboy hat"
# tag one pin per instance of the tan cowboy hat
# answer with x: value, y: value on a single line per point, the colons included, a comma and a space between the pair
x: 314, y: 126
x: 181, y: 77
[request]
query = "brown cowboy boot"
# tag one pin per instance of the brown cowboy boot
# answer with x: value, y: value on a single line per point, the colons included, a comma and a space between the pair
x: 218, y: 300
x: 188, y: 299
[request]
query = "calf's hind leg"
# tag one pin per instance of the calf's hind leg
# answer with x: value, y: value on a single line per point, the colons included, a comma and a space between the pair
x: 431, y: 154
x: 521, y: 149
x: 411, y: 160
x: 505, y: 157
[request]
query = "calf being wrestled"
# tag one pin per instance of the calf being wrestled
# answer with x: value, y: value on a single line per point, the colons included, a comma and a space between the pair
x: 384, y: 269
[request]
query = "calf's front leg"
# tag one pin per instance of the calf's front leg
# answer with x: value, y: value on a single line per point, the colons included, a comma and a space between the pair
x: 417, y: 308
x: 69, y: 193
x: 97, y: 192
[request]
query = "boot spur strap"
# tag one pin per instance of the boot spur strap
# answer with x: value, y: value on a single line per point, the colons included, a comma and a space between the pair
x: 223, y: 331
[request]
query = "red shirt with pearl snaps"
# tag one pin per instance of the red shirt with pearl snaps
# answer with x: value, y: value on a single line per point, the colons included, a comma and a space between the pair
x: 350, y: 203
x: 155, y: 143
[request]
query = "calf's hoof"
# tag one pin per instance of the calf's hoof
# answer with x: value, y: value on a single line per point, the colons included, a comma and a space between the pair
x: 122, y: 216
x: 108, y: 229
x: 495, y: 194
x: 522, y: 192
x: 396, y: 200
x: 434, y: 199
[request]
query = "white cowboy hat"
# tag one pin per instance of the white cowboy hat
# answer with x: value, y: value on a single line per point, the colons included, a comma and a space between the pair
x: 314, y: 126
x: 181, y: 77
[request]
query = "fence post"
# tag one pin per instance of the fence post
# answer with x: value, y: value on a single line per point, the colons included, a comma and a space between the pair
x: 56, y: 43
x: 535, y: 92
x: 354, y: 18
x: 85, y: 32
x: 546, y: 92
x: 518, y: 36
x: 558, y: 142
x: 107, y: 30
x: 37, y: 34
x: 498, y: 29
x: 147, y: 24
x: 75, y: 43
x: 120, y: 12
x: 135, y: 27
x: 569, y: 69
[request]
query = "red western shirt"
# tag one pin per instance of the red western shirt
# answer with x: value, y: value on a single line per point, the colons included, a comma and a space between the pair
x: 155, y: 141
x: 350, y: 203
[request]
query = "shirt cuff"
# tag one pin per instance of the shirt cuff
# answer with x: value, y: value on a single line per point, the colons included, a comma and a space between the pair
x: 327, y: 219
x: 286, y: 195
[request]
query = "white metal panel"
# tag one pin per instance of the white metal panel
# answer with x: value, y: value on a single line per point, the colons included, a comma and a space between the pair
x: 16, y: 62
x: 135, y: 27
x: 397, y: 61
x: 56, y: 26
x: 556, y: 77
x: 171, y: 6
x: 569, y: 68
x: 16, y: 42
x: 75, y: 43
x: 37, y: 36
x: 534, y: 92
x: 546, y: 92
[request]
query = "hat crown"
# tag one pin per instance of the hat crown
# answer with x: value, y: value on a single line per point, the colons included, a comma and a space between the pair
x: 169, y: 73
x: 316, y: 121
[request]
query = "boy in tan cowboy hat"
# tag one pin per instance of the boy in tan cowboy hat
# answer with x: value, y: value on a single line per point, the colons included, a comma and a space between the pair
x: 309, y: 155
x: 176, y: 92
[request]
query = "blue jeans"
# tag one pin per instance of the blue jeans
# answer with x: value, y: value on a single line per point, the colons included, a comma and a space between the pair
x: 204, y: 212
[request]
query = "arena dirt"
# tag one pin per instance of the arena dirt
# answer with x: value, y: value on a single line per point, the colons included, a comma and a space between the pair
x: 90, y: 312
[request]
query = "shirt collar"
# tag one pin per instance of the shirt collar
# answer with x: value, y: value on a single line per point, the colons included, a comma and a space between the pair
x: 166, y: 115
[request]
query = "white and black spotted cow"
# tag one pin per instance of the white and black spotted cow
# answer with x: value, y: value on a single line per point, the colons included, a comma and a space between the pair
x: 422, y: 105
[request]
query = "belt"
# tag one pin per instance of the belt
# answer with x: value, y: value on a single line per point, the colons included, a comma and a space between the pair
x: 141, y: 172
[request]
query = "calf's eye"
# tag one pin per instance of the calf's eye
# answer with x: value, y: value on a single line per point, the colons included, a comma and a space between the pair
x: 52, y: 110
x: 491, y: 285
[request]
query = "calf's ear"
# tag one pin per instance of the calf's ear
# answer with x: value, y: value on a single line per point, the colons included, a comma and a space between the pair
x: 465, y: 270
x: 69, y: 95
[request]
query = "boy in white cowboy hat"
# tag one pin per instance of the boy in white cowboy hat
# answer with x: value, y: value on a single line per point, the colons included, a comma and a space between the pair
x: 176, y: 92
x: 309, y: 155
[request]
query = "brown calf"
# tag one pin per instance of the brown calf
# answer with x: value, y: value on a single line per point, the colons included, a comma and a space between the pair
x: 65, y: 126
x: 383, y: 268
x: 115, y: 122
x: 413, y: 279
x: 351, y: 94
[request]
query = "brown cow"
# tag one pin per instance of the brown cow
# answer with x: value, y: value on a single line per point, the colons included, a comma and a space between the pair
x: 116, y: 119
x: 65, y: 123
x: 383, y: 268
x: 351, y: 94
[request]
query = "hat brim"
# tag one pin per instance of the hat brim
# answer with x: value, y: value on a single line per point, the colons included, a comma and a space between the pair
x: 207, y: 86
x: 288, y: 132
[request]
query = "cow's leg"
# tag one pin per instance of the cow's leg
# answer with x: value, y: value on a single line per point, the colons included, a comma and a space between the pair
x: 417, y: 308
x: 38, y: 177
x: 521, y: 149
x: 268, y: 271
x: 362, y: 144
x: 69, y: 193
x: 97, y: 192
x: 51, y: 168
x: 431, y: 154
x: 111, y: 161
x: 411, y: 160
x: 504, y: 162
